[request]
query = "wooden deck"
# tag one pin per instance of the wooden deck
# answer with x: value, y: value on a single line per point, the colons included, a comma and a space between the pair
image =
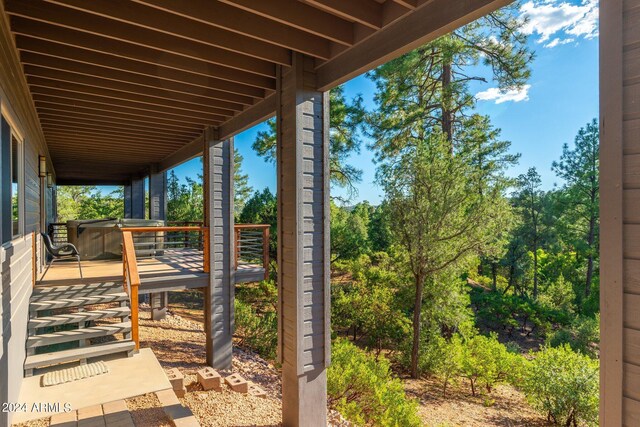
x: 175, y: 270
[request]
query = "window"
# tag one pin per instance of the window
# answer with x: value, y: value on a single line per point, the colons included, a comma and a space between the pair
x: 16, y: 181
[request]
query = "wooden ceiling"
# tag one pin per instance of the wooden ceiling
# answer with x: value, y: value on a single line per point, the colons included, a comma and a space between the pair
x: 119, y: 84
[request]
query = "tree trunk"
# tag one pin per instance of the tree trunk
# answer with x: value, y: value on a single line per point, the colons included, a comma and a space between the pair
x: 590, y: 240
x: 535, y: 270
x: 417, y: 310
x: 494, y: 275
x: 447, y: 115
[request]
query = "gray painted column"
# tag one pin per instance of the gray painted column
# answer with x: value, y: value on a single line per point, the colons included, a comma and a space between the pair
x: 158, y: 195
x: 303, y: 244
x: 158, y: 210
x: 134, y: 199
x: 127, y: 201
x: 219, y: 296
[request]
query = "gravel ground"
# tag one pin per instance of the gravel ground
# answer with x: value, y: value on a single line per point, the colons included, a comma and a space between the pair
x: 146, y: 411
x: 180, y: 342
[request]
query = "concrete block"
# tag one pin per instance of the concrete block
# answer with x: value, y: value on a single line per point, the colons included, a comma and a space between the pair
x: 176, y: 378
x: 256, y: 391
x: 237, y: 383
x: 181, y: 392
x: 65, y: 419
x: 209, y: 379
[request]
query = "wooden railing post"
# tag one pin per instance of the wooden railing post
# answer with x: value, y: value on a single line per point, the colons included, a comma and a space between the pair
x: 205, y: 250
x: 131, y: 275
x: 265, y: 252
x: 236, y: 246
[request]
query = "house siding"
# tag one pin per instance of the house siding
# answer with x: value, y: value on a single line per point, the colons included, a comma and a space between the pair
x: 631, y: 217
x: 620, y: 212
x: 17, y: 256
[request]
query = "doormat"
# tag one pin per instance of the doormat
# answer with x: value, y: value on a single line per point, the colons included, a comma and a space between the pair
x: 75, y: 373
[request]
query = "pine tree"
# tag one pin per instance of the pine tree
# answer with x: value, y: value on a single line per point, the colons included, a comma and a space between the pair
x: 344, y: 119
x: 580, y: 196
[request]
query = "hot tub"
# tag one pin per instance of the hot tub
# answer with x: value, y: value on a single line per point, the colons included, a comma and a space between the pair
x: 102, y: 239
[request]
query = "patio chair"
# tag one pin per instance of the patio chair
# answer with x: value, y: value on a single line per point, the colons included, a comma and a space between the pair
x: 64, y: 251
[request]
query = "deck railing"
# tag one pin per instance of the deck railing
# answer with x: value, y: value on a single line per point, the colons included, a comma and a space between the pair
x: 252, y: 245
x: 131, y: 281
x: 176, y: 243
x: 57, y: 231
x: 251, y: 241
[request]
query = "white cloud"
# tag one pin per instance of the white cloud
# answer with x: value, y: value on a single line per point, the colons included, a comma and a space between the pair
x: 495, y: 94
x: 563, y: 20
x: 557, y: 41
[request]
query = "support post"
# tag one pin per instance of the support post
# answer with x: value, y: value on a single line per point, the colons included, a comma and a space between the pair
x: 134, y: 199
x: 219, y: 296
x: 157, y: 195
x: 303, y: 243
x: 158, y: 210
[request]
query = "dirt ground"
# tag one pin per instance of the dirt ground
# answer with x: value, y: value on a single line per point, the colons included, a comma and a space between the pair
x: 505, y: 407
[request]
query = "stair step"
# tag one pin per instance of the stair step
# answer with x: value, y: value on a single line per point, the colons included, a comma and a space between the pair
x: 78, y: 334
x: 81, y: 316
x: 46, y: 359
x: 54, y: 292
x: 75, y: 302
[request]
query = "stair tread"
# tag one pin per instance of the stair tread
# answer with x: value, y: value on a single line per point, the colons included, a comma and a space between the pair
x: 52, y: 358
x: 53, y: 292
x: 77, y: 301
x: 77, y: 334
x: 62, y: 319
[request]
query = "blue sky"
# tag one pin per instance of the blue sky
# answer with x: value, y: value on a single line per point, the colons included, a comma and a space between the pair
x: 561, y: 97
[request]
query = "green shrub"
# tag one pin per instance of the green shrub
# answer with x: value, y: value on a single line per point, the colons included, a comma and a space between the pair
x: 257, y: 331
x: 362, y: 388
x: 564, y: 385
x: 559, y: 295
x: 485, y: 362
x: 583, y: 335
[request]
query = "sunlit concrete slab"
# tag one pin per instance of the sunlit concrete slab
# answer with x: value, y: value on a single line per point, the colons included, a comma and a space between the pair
x: 127, y: 377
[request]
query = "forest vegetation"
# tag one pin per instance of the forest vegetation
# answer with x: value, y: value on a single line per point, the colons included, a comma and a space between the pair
x: 462, y: 273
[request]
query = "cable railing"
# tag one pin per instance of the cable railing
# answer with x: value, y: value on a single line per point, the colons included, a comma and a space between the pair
x: 186, y: 246
x: 184, y: 241
x: 57, y: 231
x: 252, y: 246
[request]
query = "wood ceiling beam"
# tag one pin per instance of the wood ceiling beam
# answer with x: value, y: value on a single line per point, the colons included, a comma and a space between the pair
x: 258, y: 113
x: 410, y: 4
x: 49, y: 98
x: 224, y: 16
x: 71, y: 123
x: 186, y: 152
x: 365, y: 12
x: 300, y: 16
x: 83, y: 180
x: 62, y: 114
x: 60, y: 16
x: 148, y: 141
x: 239, y: 93
x: 70, y: 110
x: 54, y: 63
x: 104, y: 145
x: 125, y: 98
x: 158, y: 20
x: 168, y: 97
x: 47, y: 32
x: 431, y: 20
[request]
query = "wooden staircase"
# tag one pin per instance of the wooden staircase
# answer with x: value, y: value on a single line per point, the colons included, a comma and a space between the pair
x: 77, y: 322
